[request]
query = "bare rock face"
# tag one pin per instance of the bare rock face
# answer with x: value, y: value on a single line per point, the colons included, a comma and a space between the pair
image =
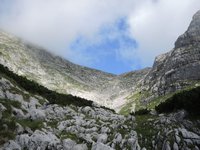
x: 192, y: 35
x: 181, y: 66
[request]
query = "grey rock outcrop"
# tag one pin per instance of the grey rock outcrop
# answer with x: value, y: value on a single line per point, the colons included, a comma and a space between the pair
x: 100, y: 146
x: 181, y: 66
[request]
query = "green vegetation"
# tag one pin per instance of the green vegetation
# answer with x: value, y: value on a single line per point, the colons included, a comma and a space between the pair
x: 135, y: 99
x: 146, y: 129
x: 7, y: 129
x: 141, y: 112
x: 74, y: 137
x: 186, y: 99
x: 156, y: 101
x: 32, y: 124
x: 65, y: 135
x: 7, y: 122
x: 53, y: 123
x: 9, y: 104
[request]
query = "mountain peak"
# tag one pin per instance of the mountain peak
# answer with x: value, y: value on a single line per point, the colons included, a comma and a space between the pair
x: 192, y: 35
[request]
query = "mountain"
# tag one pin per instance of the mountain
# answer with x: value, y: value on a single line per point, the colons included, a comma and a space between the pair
x: 33, y: 117
x: 38, y: 112
x: 172, y: 71
x: 181, y: 66
x: 63, y: 76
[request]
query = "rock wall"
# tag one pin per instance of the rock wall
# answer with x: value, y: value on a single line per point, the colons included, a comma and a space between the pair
x: 181, y: 66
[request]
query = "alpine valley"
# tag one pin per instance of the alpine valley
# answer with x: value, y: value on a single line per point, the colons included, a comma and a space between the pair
x: 49, y: 103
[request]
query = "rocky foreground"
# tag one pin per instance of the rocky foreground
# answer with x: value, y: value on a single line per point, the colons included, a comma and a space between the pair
x: 29, y: 121
x: 43, y: 126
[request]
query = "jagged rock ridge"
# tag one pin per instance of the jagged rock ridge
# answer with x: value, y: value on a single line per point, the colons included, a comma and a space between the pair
x: 181, y: 66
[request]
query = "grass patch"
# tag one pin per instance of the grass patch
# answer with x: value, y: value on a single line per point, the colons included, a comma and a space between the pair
x: 134, y: 102
x: 9, y: 104
x: 53, y: 123
x: 7, y: 122
x: 32, y: 124
x: 65, y: 135
x: 146, y: 129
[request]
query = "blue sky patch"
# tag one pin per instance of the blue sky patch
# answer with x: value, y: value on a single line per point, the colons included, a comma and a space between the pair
x: 107, y: 52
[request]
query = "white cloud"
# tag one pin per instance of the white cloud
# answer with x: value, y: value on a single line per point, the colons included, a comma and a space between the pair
x: 156, y: 25
x: 55, y: 24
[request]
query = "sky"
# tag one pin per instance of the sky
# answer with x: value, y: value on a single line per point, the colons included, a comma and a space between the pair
x: 110, y: 35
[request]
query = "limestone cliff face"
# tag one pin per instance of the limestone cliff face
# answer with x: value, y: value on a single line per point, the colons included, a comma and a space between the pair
x: 181, y: 66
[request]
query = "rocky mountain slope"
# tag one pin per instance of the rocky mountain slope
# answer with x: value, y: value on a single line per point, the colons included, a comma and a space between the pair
x: 36, y: 121
x: 34, y: 117
x: 172, y: 71
x: 179, y: 67
x: 65, y: 77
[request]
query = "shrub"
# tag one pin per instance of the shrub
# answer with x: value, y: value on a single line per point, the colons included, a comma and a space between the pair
x: 188, y: 100
x: 141, y: 112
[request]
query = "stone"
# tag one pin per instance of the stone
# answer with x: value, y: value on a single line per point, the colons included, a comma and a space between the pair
x: 196, y: 148
x: 37, y: 114
x: 2, y: 108
x: 178, y: 139
x: 105, y: 130
x: 118, y: 138
x: 187, y: 134
x: 101, y: 146
x: 19, y: 128
x: 38, y: 139
x: 102, y: 138
x: 23, y: 140
x: 180, y: 115
x: 18, y: 113
x: 80, y: 147
x: 133, y: 143
x: 166, y: 146
x: 11, y: 145
x: 153, y: 112
x: 175, y: 146
x: 68, y: 144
